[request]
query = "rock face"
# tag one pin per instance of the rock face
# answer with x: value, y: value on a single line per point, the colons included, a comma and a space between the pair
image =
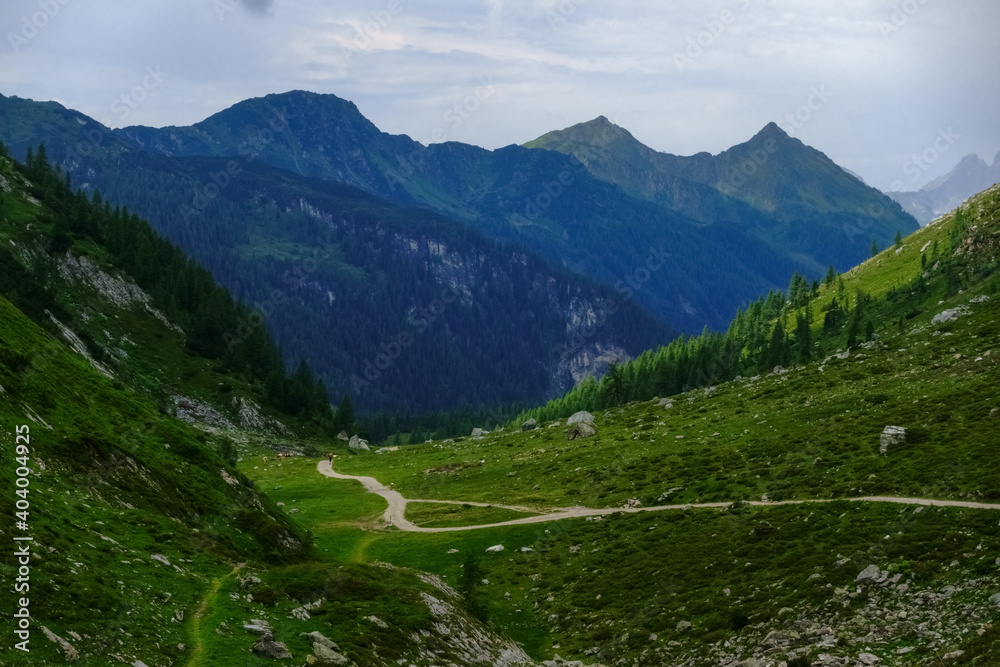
x: 891, y: 436
x: 581, y: 430
x: 529, y: 425
x: 266, y: 647
x: 358, y: 444
x: 581, y: 417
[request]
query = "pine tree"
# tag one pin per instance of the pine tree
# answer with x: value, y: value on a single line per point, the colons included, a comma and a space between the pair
x: 874, y: 247
x: 899, y: 239
x: 803, y: 340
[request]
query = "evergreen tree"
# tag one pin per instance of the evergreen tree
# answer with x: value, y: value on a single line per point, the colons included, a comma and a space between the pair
x: 899, y: 239
x: 803, y: 340
x: 874, y: 247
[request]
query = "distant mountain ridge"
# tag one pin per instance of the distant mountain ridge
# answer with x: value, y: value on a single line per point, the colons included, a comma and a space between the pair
x: 970, y: 176
x: 786, y: 193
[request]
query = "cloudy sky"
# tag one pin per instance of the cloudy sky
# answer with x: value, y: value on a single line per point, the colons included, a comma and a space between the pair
x: 872, y: 83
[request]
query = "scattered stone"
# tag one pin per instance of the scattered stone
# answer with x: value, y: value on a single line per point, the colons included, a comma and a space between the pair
x: 266, y: 647
x: 529, y: 425
x: 954, y: 655
x: 666, y: 403
x: 683, y: 626
x: 980, y: 299
x: 343, y: 436
x: 868, y: 659
x: 581, y: 430
x: 249, y: 581
x: 478, y: 432
x: 632, y: 503
x: 160, y: 559
x: 891, y: 436
x: 453, y: 551
x: 495, y: 549
x: 995, y: 600
x: 358, y: 444
x: 580, y: 417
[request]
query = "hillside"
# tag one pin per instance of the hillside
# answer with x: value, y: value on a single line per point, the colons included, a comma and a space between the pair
x: 147, y: 546
x: 342, y: 276
x: 755, y: 520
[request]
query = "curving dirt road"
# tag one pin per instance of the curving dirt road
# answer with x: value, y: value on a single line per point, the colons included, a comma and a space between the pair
x: 395, y: 514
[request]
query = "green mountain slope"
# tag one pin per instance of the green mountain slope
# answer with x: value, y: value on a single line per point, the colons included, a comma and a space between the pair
x: 697, y: 585
x: 147, y: 546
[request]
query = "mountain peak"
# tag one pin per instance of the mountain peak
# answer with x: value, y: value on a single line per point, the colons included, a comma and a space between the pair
x: 773, y: 130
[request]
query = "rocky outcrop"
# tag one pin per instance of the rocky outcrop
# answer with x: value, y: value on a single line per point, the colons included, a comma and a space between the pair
x: 325, y: 651
x: 358, y: 444
x: 196, y: 412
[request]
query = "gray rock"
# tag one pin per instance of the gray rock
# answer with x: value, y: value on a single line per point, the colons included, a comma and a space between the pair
x: 869, y: 659
x: 478, y: 433
x: 683, y: 626
x: 529, y: 425
x: 581, y: 430
x: 328, y: 656
x: 950, y: 315
x: 266, y: 647
x: 249, y: 581
x: 891, y: 436
x: 343, y: 436
x: 871, y: 575
x: 70, y: 653
x: 995, y: 600
x: 358, y: 444
x: 581, y: 417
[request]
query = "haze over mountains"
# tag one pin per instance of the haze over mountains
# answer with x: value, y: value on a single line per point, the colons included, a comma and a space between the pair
x: 347, y: 236
x: 970, y: 176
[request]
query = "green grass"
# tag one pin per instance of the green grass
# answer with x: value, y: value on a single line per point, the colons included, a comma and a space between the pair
x: 437, y: 515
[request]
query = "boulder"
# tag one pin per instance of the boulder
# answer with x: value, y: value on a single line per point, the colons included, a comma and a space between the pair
x: 358, y: 444
x: 683, y: 626
x: 950, y: 315
x: 891, y: 436
x: 326, y: 652
x: 343, y: 436
x: 580, y: 417
x: 266, y: 647
x: 478, y: 433
x: 495, y: 549
x: 69, y: 652
x: 581, y: 430
x: 995, y: 600
x: 872, y: 575
x: 529, y: 425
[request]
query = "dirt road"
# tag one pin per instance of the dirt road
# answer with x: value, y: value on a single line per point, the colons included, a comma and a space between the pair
x: 395, y: 514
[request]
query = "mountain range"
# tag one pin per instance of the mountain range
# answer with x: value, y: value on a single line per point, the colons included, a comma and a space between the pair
x: 346, y: 236
x: 970, y: 176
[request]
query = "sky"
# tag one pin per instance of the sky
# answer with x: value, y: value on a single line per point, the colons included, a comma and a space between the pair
x: 896, y: 91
